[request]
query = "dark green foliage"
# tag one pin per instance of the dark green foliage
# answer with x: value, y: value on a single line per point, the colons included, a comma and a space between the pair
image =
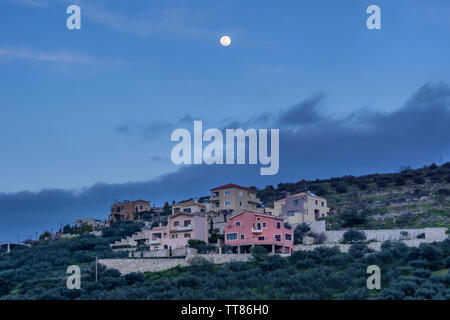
x: 201, y: 246
x: 399, y: 181
x: 194, y: 243
x: 324, y: 273
x: 354, y: 236
x: 45, y: 235
x: 352, y: 218
x: 121, y: 229
x: 363, y: 186
x: 259, y: 253
x: 300, y: 231
x: 341, y: 188
x: 419, y: 180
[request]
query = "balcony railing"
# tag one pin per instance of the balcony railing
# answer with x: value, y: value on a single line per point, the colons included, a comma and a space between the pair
x: 183, y: 228
x: 256, y: 230
x: 155, y: 241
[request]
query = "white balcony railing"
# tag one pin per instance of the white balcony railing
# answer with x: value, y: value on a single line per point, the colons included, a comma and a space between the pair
x: 256, y: 230
x: 155, y: 241
x: 184, y: 228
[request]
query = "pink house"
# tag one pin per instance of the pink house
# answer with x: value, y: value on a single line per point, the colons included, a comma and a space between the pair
x: 247, y: 229
x: 180, y: 228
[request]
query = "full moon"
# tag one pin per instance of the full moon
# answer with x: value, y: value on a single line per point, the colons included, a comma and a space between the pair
x: 225, y: 41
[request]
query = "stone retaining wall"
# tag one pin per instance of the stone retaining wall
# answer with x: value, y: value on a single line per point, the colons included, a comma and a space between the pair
x: 345, y: 247
x: 126, y: 266
x: 335, y: 236
x: 431, y: 234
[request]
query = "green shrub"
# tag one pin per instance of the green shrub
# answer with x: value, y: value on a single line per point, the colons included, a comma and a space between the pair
x: 354, y: 236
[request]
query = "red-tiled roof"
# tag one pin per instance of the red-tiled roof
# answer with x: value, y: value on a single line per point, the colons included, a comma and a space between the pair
x: 232, y: 185
x: 257, y: 214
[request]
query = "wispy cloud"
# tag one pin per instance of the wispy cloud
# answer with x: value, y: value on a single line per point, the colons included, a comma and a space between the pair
x: 29, y: 3
x: 30, y: 54
x: 181, y: 22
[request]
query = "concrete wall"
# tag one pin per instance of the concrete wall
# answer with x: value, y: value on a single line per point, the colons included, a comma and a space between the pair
x: 345, y: 247
x: 125, y: 266
x: 221, y: 258
x: 182, y: 252
x: 431, y: 234
x: 335, y: 236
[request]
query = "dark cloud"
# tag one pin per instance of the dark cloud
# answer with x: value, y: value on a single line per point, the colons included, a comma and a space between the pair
x: 187, y: 119
x: 364, y: 142
x: 123, y: 129
x: 149, y: 131
x: 306, y: 112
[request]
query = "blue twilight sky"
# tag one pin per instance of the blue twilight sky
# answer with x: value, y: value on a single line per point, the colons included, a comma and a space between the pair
x: 86, y: 115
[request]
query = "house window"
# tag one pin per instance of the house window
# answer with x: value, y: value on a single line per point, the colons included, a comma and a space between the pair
x: 264, y: 225
x: 317, y: 202
x: 176, y: 223
x: 240, y: 203
x: 227, y: 193
x: 240, y: 193
x: 187, y: 235
x: 278, y: 225
x: 322, y: 203
x: 295, y: 202
x: 141, y: 207
x: 232, y: 236
x: 242, y: 236
x: 291, y: 213
x: 227, y: 203
x: 238, y: 224
x: 278, y: 237
x: 262, y: 238
x: 187, y: 210
x: 252, y: 196
x: 257, y: 219
x: 288, y: 236
x: 187, y: 223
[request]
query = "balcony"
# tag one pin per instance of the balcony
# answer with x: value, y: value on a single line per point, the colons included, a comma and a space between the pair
x: 155, y: 241
x: 183, y: 228
x: 256, y: 230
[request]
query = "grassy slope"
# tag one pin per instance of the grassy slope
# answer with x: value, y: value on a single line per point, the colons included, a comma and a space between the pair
x: 407, y: 199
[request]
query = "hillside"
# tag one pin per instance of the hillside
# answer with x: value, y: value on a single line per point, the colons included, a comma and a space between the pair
x: 411, y: 198
x: 325, y: 273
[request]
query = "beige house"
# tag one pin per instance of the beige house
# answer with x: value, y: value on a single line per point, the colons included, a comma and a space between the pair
x: 180, y: 228
x: 190, y: 206
x: 232, y: 198
x: 276, y: 210
x: 95, y: 223
x: 301, y: 207
x: 128, y: 210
